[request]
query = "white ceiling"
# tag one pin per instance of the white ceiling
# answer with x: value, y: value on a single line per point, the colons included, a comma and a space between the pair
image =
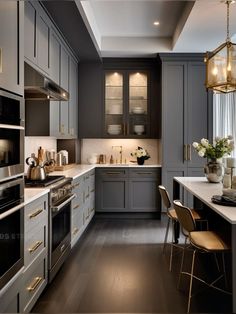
x: 121, y: 28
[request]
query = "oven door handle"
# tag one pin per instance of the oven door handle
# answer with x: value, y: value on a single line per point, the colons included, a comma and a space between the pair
x: 11, y: 211
x: 56, y: 209
x: 13, y: 127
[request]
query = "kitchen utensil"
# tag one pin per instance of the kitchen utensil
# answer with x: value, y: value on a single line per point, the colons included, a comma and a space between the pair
x: 41, y: 155
x: 59, y: 158
x: 64, y: 156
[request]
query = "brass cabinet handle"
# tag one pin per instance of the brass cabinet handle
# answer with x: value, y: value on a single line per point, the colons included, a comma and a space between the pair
x: 185, y: 152
x: 91, y: 210
x: 144, y: 172
x: 113, y: 172
x: 35, y: 213
x: 76, y: 206
x: 87, y: 196
x: 93, y: 190
x: 35, y: 284
x: 75, y: 231
x: 35, y: 247
x: 189, y: 152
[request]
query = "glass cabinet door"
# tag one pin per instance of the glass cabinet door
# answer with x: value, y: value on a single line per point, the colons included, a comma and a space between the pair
x: 138, y: 103
x: 114, y: 103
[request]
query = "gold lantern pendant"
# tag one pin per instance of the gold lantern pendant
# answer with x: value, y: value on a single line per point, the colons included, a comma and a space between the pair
x: 221, y: 64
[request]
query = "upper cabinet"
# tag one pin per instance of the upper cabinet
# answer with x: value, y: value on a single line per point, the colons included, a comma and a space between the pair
x: 37, y: 36
x: 131, y: 98
x: 127, y: 106
x: 12, y: 46
x: 49, y: 54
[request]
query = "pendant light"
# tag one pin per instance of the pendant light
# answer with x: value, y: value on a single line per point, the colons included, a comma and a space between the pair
x: 221, y: 64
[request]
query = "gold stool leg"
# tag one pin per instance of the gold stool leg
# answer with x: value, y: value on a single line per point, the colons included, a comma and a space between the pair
x: 191, y: 281
x: 166, y: 234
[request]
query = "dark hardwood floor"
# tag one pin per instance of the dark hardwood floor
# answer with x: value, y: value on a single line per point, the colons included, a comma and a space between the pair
x: 118, y: 267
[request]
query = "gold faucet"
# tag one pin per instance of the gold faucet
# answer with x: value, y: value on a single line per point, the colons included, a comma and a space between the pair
x: 120, y: 152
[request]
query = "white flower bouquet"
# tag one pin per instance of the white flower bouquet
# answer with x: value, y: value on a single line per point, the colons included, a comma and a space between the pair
x: 221, y: 147
x: 140, y: 153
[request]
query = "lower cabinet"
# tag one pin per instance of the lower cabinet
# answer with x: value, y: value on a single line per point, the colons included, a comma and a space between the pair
x: 10, y: 299
x: 34, y: 278
x: 128, y: 190
x: 83, y: 205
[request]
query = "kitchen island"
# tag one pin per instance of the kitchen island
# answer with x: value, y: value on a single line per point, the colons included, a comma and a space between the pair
x: 203, y: 191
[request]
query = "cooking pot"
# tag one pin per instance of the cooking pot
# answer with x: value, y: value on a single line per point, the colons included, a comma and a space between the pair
x: 35, y: 171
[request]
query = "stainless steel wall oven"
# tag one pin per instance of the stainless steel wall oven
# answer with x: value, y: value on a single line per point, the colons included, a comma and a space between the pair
x: 11, y: 135
x: 11, y: 229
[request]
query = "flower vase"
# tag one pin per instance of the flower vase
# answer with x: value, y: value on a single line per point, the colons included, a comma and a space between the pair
x: 214, y: 171
x: 140, y: 160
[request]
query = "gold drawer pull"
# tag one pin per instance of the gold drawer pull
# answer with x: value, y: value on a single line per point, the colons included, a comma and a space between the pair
x: 144, y: 172
x: 113, y: 172
x: 76, y: 185
x: 93, y: 190
x: 76, y: 206
x: 35, y: 213
x: 75, y: 231
x: 34, y: 248
x: 87, y: 196
x: 91, y: 210
x: 35, y: 284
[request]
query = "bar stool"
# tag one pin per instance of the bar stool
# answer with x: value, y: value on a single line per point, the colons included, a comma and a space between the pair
x: 173, y: 219
x: 202, y: 242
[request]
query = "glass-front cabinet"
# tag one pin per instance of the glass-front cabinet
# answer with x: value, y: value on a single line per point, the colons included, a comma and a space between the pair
x: 127, y: 104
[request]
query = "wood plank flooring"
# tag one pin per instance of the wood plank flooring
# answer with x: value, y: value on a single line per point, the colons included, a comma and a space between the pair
x: 118, y: 267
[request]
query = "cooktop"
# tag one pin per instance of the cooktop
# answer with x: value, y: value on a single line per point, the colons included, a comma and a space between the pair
x: 42, y: 183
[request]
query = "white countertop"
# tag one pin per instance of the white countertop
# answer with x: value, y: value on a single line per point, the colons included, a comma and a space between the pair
x: 204, y: 190
x: 81, y: 169
x: 31, y: 194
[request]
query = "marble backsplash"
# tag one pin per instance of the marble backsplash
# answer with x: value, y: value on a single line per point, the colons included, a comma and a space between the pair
x: 104, y: 146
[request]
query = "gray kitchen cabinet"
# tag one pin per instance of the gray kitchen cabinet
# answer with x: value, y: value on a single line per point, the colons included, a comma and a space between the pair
x: 64, y: 82
x: 37, y: 36
x: 55, y: 50
x: 77, y: 224
x: 90, y: 100
x: 34, y: 278
x: 112, y: 190
x: 73, y: 101
x: 12, y: 46
x: 128, y: 190
x: 10, y: 297
x: 143, y: 195
x: 186, y: 115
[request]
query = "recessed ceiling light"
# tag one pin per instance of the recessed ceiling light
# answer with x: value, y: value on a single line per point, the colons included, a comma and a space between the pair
x: 156, y: 23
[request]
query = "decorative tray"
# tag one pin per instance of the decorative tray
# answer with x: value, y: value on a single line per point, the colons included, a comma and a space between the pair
x: 223, y: 200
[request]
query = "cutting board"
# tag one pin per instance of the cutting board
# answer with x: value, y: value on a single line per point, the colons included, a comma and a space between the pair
x: 63, y: 167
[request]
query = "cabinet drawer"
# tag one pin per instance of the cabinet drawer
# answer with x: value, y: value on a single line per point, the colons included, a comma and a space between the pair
x: 77, y: 184
x: 143, y: 173
x: 112, y: 172
x: 77, y: 204
x: 35, y: 243
x: 76, y: 224
x: 36, y: 212
x: 35, y: 280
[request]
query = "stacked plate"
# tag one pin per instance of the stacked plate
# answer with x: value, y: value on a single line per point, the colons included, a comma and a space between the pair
x: 138, y: 110
x: 114, y: 129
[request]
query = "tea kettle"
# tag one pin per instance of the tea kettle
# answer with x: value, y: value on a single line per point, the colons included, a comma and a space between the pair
x: 35, y: 171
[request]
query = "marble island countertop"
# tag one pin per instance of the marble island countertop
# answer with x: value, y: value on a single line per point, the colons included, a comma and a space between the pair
x: 203, y: 190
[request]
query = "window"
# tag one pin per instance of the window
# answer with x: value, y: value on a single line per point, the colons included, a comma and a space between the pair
x: 224, y: 116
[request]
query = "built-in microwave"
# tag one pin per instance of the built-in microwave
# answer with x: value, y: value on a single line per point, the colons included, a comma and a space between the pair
x: 12, y: 132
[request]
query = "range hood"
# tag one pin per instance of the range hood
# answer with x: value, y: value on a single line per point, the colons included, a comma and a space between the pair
x: 40, y: 87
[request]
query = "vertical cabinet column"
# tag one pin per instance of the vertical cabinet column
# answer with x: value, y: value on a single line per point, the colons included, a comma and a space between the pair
x: 185, y: 116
